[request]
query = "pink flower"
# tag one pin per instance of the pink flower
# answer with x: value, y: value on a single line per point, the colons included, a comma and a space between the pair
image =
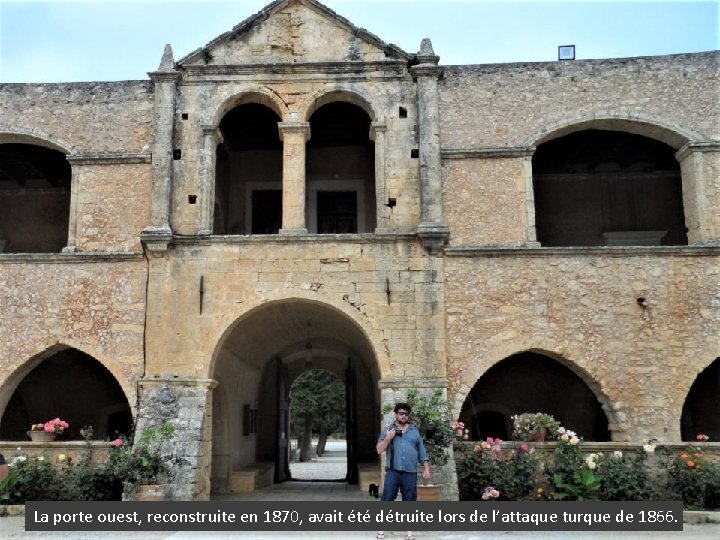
x: 50, y: 427
x: 524, y: 447
x: 490, y: 440
x: 117, y: 443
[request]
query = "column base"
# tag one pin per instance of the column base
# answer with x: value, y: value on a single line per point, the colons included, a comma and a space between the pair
x: 293, y: 232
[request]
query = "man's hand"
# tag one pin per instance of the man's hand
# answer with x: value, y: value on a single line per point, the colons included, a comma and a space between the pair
x: 426, y: 470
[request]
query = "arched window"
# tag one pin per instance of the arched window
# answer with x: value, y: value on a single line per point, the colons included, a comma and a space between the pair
x: 73, y: 386
x: 34, y: 199
x: 340, y: 171
x: 531, y: 382
x: 248, y: 178
x: 598, y: 187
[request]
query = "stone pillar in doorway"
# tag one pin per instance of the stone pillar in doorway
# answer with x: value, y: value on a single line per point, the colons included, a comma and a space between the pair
x: 186, y: 403
x: 395, y: 390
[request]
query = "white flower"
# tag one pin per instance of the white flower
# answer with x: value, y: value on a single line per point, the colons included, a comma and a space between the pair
x: 617, y: 454
x: 561, y: 430
x: 565, y: 437
x: 649, y: 448
x: 591, y: 465
x: 41, y: 458
x: 19, y: 459
x: 574, y: 441
x: 593, y: 456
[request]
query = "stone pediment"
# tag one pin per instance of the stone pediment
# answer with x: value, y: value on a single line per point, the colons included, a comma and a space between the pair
x: 294, y: 32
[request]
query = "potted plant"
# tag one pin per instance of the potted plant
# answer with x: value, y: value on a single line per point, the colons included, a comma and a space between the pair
x: 144, y: 469
x: 535, y: 427
x: 431, y: 415
x: 47, y: 431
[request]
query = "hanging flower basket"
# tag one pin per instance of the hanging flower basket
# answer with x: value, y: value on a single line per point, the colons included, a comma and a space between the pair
x: 41, y: 436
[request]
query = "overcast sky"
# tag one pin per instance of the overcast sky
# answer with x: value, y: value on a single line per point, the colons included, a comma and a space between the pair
x: 59, y: 41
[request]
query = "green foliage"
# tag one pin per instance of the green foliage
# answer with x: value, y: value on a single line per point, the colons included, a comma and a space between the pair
x: 584, y: 485
x: 431, y: 415
x: 625, y: 477
x: 318, y: 397
x: 694, y: 478
x: 149, y: 462
x: 514, y: 476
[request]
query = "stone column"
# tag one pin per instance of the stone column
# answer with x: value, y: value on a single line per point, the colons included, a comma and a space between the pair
x: 699, y: 164
x: 294, y: 136
x: 165, y: 81
x: 432, y: 230
x: 377, y: 134
x: 187, y: 404
x: 71, y: 246
x: 211, y: 137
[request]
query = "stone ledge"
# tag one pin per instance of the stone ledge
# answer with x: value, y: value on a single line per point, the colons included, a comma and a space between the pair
x: 73, y: 257
x: 594, y: 251
x: 364, y: 238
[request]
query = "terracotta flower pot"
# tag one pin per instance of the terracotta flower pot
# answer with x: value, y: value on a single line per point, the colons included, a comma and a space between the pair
x: 41, y: 436
x: 151, y: 492
x: 429, y: 492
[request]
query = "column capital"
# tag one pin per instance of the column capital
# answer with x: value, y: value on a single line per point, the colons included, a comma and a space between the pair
x: 213, y: 131
x: 692, y: 147
x: 301, y: 128
x: 426, y: 70
x: 375, y: 128
x: 164, y: 76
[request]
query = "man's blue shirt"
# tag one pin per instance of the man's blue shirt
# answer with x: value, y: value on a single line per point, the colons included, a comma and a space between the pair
x: 407, y: 451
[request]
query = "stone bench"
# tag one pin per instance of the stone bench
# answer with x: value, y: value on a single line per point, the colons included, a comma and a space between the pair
x: 252, y: 477
x: 368, y: 473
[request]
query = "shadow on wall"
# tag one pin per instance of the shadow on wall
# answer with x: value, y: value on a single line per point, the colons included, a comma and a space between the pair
x: 73, y: 386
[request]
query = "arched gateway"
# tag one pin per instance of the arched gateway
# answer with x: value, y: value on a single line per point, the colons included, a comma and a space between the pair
x: 255, y: 365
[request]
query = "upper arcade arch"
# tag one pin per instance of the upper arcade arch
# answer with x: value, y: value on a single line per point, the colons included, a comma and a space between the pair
x: 259, y: 96
x: 674, y: 136
x: 354, y: 97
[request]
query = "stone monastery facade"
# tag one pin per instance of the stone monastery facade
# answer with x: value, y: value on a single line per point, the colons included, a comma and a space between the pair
x: 298, y: 194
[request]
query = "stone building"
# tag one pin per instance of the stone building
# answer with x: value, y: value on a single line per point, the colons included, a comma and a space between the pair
x: 299, y: 194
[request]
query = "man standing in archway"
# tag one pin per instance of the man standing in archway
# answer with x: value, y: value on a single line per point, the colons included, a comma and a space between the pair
x: 405, y: 449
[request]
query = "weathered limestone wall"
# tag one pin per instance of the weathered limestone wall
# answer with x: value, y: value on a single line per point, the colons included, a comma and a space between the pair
x: 486, y: 201
x: 582, y: 309
x: 92, y: 303
x: 406, y: 331
x: 80, y: 117
x: 506, y: 105
x: 113, y: 206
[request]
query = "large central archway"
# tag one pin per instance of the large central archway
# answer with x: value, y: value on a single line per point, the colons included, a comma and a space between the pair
x: 255, y: 366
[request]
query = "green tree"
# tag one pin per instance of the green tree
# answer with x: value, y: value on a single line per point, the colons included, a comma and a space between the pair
x: 317, y: 404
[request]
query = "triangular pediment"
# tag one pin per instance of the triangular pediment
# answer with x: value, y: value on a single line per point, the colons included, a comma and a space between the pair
x: 295, y: 32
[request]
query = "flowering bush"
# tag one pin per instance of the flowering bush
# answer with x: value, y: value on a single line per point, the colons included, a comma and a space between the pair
x: 624, y: 476
x: 490, y: 493
x: 535, y: 427
x: 431, y: 415
x: 461, y: 432
x: 56, y: 426
x: 694, y: 477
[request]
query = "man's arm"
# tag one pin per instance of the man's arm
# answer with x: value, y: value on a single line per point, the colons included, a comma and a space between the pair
x: 385, y: 441
x: 4, y: 470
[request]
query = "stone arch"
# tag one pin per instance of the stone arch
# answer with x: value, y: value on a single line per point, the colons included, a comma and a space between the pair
x: 71, y: 359
x: 256, y: 358
x: 700, y: 412
x: 34, y: 136
x: 261, y: 96
x: 608, y: 181
x: 615, y: 417
x: 359, y: 321
x: 654, y: 128
x: 248, y: 168
x: 355, y: 97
